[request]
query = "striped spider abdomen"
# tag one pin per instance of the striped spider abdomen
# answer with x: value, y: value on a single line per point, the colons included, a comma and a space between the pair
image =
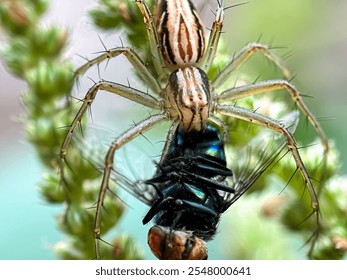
x: 180, y: 31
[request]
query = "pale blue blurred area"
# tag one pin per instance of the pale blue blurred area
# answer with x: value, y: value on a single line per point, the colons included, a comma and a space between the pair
x: 28, y: 224
x: 28, y: 227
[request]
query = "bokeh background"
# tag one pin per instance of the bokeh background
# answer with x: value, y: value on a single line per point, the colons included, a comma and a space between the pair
x: 314, y: 29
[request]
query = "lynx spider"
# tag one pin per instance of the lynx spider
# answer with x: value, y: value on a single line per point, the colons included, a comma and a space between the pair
x: 181, y: 73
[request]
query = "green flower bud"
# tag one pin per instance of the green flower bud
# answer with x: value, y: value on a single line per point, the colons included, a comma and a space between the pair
x: 51, y: 188
x: 50, y: 80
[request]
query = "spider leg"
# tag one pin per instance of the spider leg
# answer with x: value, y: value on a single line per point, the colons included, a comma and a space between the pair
x: 154, y: 44
x: 272, y: 86
x: 213, y: 38
x: 223, y: 126
x: 242, y: 56
x: 169, y: 138
x: 132, y: 57
x: 121, y: 90
x: 123, y: 139
x: 256, y: 118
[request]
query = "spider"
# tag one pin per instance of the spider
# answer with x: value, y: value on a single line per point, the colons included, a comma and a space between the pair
x: 181, y: 91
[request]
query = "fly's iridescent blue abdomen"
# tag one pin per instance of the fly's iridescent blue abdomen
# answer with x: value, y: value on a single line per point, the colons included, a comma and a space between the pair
x: 190, y: 183
x: 206, y: 143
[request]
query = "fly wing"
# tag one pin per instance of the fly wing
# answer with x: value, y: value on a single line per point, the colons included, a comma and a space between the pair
x: 250, y: 162
x: 126, y: 174
x: 143, y: 192
x: 137, y: 188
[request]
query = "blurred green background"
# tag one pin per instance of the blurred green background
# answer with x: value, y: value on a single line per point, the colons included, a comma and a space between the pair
x: 314, y: 29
